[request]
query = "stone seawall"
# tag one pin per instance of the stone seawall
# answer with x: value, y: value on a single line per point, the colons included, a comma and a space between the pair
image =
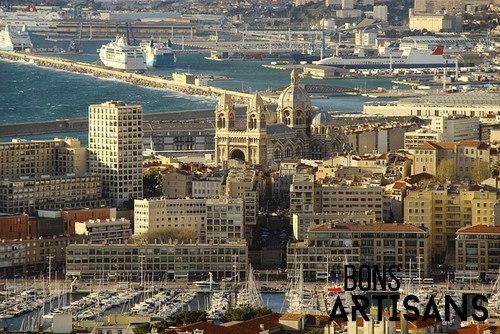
x: 145, y: 80
x: 81, y: 124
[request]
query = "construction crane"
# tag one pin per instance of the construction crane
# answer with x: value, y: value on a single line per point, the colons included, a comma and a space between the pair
x: 75, y: 44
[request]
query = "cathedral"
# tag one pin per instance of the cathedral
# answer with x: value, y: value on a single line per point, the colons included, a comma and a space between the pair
x: 294, y: 131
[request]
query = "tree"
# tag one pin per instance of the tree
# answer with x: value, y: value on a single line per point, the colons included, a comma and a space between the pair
x: 447, y: 170
x: 316, y: 331
x: 245, y: 313
x: 480, y: 171
x: 152, y: 183
x: 168, y: 234
x: 495, y: 171
x: 144, y: 328
x: 181, y: 319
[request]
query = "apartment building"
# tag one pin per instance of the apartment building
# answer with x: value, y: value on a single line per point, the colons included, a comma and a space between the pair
x: 421, y: 136
x: 303, y: 193
x: 17, y: 226
x: 301, y: 222
x: 456, y: 127
x: 477, y: 253
x: 445, y: 128
x: 109, y: 231
x: 34, y: 158
x: 225, y: 220
x: 357, y: 198
x: 211, y: 185
x: 115, y: 149
x: 442, y: 212
x: 70, y: 217
x: 160, y: 261
x: 50, y: 192
x: 177, y: 183
x: 428, y: 156
x: 329, y: 246
x: 31, y: 256
x: 244, y: 183
x: 155, y: 214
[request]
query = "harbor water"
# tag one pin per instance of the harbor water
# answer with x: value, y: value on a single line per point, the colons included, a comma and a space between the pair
x: 31, y: 93
x: 275, y: 301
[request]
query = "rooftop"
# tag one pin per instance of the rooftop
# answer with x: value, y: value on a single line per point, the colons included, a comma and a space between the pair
x: 480, y: 229
x: 378, y: 227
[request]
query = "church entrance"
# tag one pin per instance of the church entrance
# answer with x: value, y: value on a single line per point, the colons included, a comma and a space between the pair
x: 238, y: 155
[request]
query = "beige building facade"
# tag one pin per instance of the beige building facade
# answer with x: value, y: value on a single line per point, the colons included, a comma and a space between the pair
x: 115, y: 149
x: 443, y: 212
x: 477, y: 253
x: 157, y: 261
x: 329, y: 246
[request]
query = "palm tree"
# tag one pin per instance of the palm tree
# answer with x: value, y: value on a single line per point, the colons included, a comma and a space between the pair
x: 495, y: 171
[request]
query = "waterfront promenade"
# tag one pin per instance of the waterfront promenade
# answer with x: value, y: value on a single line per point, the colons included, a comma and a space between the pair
x: 145, y: 80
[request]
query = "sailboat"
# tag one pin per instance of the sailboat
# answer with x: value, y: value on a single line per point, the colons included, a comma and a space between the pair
x: 297, y: 296
x: 250, y: 295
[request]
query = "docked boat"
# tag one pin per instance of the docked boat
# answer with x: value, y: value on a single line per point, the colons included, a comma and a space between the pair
x: 410, y: 58
x: 119, y: 54
x: 210, y: 283
x: 12, y: 39
x: 158, y: 54
x: 300, y: 58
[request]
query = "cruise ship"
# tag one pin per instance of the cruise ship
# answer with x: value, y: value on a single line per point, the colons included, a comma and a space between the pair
x: 15, y: 40
x: 158, y: 54
x: 410, y: 58
x: 118, y: 54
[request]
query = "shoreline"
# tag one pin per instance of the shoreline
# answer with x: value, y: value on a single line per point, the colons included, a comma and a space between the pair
x: 144, y: 80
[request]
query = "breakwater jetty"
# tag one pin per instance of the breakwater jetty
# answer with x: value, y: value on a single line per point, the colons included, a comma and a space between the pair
x: 145, y: 80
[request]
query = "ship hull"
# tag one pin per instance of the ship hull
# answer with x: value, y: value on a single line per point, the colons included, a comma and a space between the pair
x: 301, y: 57
x: 165, y: 60
x: 389, y: 66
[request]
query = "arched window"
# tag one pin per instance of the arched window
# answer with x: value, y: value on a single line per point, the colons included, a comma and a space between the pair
x: 287, y: 118
x: 277, y: 154
x: 288, y: 152
x: 221, y: 122
x: 298, y: 151
x: 253, y: 122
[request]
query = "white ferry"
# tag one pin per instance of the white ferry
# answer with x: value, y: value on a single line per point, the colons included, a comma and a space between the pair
x: 158, y: 54
x: 118, y: 54
x: 12, y: 39
x: 410, y: 58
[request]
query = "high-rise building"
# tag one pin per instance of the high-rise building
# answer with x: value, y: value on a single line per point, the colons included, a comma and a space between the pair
x: 115, y: 149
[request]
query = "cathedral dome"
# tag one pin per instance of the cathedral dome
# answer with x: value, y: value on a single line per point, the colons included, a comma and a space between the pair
x: 294, y: 96
x: 322, y: 118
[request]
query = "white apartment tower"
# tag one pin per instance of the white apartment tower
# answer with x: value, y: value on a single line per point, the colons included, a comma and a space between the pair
x: 115, y: 149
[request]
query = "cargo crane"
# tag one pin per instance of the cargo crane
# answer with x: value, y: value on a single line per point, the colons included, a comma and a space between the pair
x: 6, y: 4
x: 75, y: 44
x: 130, y: 36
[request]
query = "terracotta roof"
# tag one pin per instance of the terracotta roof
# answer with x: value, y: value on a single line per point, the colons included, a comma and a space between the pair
x: 398, y: 185
x: 469, y: 143
x: 268, y: 321
x: 479, y: 229
x: 378, y: 227
x: 291, y: 316
x: 208, y: 328
x: 426, y: 146
x: 475, y: 329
